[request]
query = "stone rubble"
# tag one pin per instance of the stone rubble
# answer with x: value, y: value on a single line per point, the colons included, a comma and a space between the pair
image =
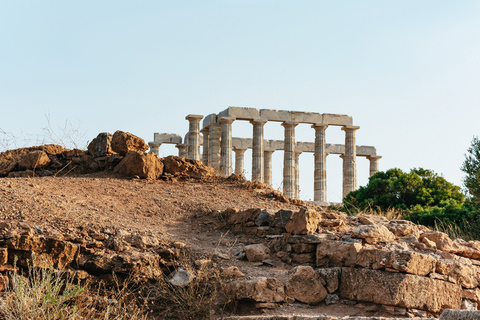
x: 364, y: 259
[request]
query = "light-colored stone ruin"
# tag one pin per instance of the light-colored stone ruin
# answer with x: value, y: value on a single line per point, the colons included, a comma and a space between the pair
x: 217, y: 146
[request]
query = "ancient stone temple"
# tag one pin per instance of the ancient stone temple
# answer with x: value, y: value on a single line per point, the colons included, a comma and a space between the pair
x: 217, y: 146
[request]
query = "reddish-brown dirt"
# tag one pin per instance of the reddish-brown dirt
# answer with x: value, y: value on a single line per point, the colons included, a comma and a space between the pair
x: 185, y: 211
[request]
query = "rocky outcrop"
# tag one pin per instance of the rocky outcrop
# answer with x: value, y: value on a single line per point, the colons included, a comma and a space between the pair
x: 136, y: 163
x: 183, y: 167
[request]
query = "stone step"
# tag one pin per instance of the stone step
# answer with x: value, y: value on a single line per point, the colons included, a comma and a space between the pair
x: 300, y: 317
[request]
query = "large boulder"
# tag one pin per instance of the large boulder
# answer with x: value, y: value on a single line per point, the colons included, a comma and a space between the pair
x: 187, y: 167
x: 124, y: 142
x: 303, y: 222
x: 305, y: 285
x: 136, y: 163
x: 34, y: 160
x: 373, y: 234
x: 101, y: 146
x: 397, y: 289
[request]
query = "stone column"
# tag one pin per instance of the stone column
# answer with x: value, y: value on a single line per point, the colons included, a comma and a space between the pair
x: 182, y: 150
x: 239, y: 160
x: 289, y: 160
x: 320, y: 175
x: 214, y: 146
x: 257, y: 150
x: 155, y: 147
x: 349, y: 161
x: 267, y: 167
x: 226, y: 146
x: 373, y: 164
x: 193, y: 146
x: 297, y: 175
x: 206, y: 136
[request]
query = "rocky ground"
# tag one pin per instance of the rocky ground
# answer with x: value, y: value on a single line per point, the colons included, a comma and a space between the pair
x: 116, y: 209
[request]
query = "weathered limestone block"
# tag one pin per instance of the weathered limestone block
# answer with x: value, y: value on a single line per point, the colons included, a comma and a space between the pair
x: 187, y: 167
x: 123, y: 142
x: 264, y: 218
x: 459, y: 315
x: 399, y: 289
x: 136, y: 163
x: 305, y: 285
x: 234, y: 216
x: 259, y: 289
x: 471, y: 294
x: 303, y: 222
x: 256, y: 252
x: 373, y: 258
x: 281, y: 218
x: 331, y: 277
x: 373, y: 234
x: 412, y: 262
x: 34, y: 160
x: 461, y: 273
x: 59, y: 253
x: 101, y: 146
x: 303, y: 247
x: 331, y: 253
x: 402, y: 228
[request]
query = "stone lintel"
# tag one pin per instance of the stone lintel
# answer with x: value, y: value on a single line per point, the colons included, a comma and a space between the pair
x: 167, y: 138
x: 273, y: 145
x: 243, y: 113
x: 208, y: 120
x: 240, y: 113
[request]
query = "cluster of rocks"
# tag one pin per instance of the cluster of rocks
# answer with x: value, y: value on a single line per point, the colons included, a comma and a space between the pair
x: 408, y: 268
x: 122, y: 153
x: 86, y: 252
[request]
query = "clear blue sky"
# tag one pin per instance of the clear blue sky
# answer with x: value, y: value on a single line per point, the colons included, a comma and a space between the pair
x: 407, y: 71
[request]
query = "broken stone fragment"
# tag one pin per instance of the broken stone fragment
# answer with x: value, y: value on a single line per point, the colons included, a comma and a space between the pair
x: 305, y: 285
x: 136, y: 163
x: 233, y: 272
x: 259, y: 289
x: 124, y: 142
x: 256, y: 252
x: 101, y: 146
x: 34, y: 160
x: 373, y: 234
x: 181, y: 278
x: 303, y: 222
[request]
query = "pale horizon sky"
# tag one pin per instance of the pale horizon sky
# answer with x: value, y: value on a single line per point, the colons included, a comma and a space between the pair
x: 406, y: 71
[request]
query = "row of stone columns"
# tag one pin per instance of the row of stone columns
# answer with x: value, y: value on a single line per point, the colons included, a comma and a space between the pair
x: 217, y: 152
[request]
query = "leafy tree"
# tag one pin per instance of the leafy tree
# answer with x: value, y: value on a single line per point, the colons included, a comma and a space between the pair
x: 419, y: 188
x: 471, y: 166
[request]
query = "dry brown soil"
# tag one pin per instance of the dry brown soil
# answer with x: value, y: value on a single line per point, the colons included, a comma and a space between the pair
x: 174, y: 211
